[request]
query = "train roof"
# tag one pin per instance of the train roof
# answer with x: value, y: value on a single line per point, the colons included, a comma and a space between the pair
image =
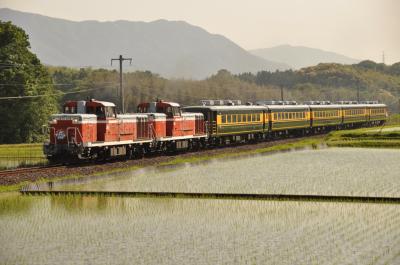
x: 104, y: 103
x: 328, y: 106
x: 354, y: 106
x: 287, y: 107
x: 227, y: 108
x: 284, y: 107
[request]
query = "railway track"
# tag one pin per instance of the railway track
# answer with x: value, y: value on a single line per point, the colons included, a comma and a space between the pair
x: 26, y: 170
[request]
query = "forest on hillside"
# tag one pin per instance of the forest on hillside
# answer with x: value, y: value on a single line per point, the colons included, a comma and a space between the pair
x: 331, y: 82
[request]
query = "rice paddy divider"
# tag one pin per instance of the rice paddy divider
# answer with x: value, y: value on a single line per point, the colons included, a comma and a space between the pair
x: 225, y: 196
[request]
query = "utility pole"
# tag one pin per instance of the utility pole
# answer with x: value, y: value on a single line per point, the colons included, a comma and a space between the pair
x: 121, y: 90
x: 383, y: 57
x: 281, y: 93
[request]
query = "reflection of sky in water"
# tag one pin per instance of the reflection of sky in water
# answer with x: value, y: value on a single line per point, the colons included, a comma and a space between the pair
x: 112, y: 230
x: 337, y: 171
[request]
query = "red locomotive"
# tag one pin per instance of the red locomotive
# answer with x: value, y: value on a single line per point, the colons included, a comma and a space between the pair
x: 93, y: 129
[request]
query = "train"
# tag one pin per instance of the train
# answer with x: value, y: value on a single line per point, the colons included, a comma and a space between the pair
x: 93, y: 129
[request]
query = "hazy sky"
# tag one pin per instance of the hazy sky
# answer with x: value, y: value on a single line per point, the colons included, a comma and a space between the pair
x: 361, y: 29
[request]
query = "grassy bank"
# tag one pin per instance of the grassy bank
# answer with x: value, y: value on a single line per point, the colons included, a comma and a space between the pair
x: 394, y: 119
x: 21, y: 151
x: 386, y: 137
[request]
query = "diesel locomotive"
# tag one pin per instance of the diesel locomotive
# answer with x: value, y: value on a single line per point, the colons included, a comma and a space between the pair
x: 94, y: 130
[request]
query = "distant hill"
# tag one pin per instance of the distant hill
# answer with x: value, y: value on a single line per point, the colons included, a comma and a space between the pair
x: 299, y: 56
x: 170, y: 48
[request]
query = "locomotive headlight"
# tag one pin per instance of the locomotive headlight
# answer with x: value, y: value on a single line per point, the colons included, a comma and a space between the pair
x: 60, y: 135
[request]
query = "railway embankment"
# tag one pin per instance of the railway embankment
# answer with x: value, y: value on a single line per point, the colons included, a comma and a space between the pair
x: 15, y: 179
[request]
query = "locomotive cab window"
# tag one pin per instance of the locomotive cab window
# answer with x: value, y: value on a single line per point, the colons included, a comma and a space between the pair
x: 110, y: 112
x: 176, y: 111
x: 69, y: 110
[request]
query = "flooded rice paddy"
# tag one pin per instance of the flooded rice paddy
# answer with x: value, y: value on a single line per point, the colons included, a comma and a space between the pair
x: 112, y: 230
x: 116, y: 230
x: 332, y: 171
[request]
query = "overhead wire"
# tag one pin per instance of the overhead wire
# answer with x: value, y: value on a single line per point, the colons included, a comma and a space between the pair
x: 52, y: 84
x: 48, y: 95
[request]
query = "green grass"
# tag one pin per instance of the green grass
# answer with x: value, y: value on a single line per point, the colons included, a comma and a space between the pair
x: 381, y: 136
x: 394, y: 119
x: 21, y: 150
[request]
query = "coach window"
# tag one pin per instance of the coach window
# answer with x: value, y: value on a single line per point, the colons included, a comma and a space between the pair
x: 234, y: 118
x: 223, y: 118
x: 244, y: 117
x: 229, y: 118
x: 240, y: 118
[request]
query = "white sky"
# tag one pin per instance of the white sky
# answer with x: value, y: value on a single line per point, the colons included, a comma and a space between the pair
x: 361, y: 29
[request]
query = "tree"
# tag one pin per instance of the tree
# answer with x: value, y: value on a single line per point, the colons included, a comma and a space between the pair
x: 22, y: 74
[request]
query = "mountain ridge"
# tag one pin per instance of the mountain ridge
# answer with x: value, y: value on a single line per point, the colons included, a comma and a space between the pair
x: 302, y: 56
x: 169, y: 48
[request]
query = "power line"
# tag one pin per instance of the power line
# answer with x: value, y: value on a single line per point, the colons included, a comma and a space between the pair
x: 52, y: 84
x: 48, y: 95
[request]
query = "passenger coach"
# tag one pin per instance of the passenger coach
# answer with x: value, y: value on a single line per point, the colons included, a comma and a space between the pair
x: 233, y: 123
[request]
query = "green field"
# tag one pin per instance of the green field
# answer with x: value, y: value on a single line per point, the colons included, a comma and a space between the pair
x: 387, y: 137
x: 21, y: 150
x: 394, y: 119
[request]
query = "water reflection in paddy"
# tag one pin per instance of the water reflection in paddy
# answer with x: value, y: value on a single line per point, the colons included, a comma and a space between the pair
x: 104, y: 230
